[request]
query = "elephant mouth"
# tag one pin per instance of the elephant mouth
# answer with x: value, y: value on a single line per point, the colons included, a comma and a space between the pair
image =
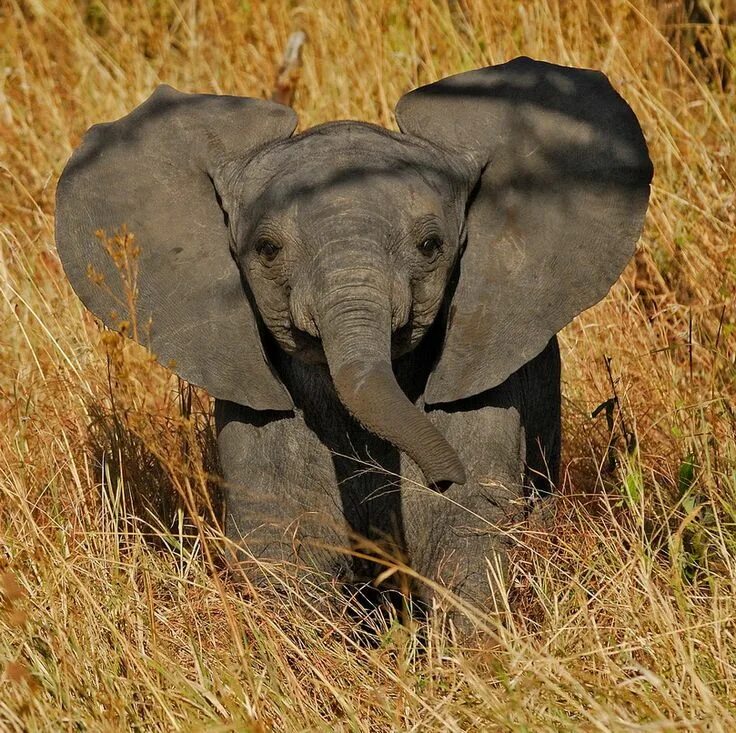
x: 310, y: 350
x: 307, y: 348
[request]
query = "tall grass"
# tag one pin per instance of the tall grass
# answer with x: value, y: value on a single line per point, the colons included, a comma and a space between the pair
x: 622, y: 612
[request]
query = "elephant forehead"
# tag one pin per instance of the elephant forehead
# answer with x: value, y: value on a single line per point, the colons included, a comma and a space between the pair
x: 361, y: 191
x: 351, y: 163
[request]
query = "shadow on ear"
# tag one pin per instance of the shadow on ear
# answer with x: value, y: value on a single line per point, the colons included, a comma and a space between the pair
x: 563, y: 187
x: 145, y: 243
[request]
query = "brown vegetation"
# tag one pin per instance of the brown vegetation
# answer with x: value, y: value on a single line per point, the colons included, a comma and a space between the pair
x: 622, y: 615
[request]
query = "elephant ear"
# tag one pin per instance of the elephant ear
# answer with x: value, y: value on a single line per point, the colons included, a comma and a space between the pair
x: 145, y: 243
x: 554, y: 217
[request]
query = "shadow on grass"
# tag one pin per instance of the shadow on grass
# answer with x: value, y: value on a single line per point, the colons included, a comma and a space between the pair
x: 158, y: 471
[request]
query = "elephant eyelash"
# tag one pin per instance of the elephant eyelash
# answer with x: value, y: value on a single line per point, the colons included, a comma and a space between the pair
x: 427, y: 236
x: 431, y: 245
x: 267, y: 248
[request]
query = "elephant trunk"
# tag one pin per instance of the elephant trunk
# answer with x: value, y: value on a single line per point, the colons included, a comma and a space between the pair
x: 355, y: 324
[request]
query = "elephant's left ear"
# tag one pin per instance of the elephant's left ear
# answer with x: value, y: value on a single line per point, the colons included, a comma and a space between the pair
x: 563, y: 183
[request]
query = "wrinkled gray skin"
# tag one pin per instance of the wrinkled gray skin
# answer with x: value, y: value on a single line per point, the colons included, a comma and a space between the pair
x: 375, y: 312
x: 350, y: 285
x: 331, y: 252
x: 300, y: 490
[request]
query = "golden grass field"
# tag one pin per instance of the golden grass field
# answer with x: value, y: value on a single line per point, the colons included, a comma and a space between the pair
x: 622, y: 608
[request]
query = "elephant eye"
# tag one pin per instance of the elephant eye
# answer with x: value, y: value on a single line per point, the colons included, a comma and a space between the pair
x: 267, y: 248
x: 430, y: 245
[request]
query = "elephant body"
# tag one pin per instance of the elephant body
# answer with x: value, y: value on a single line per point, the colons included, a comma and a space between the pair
x: 374, y: 311
x: 300, y: 488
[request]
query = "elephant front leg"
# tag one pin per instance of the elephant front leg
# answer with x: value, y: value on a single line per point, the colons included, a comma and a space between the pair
x: 283, y: 507
x: 459, y: 539
x: 459, y: 542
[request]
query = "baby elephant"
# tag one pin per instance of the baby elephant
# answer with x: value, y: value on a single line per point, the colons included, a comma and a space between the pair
x: 374, y: 312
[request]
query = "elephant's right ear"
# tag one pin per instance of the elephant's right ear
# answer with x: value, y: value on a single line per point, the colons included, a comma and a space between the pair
x: 144, y: 240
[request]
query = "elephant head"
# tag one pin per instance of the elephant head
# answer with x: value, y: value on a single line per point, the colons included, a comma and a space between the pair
x: 525, y: 184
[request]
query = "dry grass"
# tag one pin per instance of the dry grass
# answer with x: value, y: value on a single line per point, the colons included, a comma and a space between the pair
x: 623, y: 614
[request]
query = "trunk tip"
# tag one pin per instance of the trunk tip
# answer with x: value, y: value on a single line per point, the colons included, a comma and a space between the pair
x: 442, y: 480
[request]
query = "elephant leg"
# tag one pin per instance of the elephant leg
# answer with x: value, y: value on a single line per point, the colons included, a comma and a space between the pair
x: 283, y: 503
x: 459, y: 539
x: 508, y: 438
